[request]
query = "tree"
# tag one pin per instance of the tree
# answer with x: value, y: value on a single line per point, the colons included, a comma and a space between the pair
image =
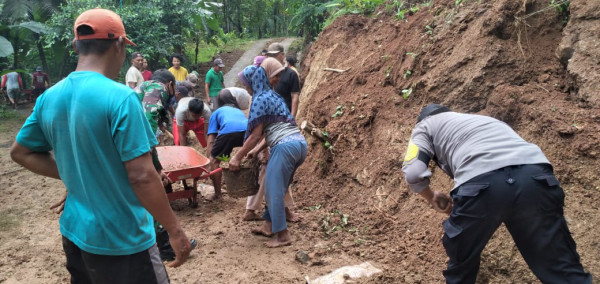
x: 28, y: 15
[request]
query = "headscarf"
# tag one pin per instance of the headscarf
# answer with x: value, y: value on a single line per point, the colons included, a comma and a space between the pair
x: 267, y: 106
x: 243, y: 78
x: 242, y: 99
x: 258, y: 60
x: 238, y: 99
x: 225, y: 98
x: 272, y: 66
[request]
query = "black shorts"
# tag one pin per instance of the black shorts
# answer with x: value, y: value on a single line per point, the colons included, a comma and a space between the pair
x: 141, y: 267
x: 36, y: 92
x: 226, y: 142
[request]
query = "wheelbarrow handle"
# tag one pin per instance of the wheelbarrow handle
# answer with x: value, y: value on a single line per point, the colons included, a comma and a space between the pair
x: 208, y: 174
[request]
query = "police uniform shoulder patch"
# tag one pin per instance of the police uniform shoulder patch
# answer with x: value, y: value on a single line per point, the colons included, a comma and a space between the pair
x: 411, y: 152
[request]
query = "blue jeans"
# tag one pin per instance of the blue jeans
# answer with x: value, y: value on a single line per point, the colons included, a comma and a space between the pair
x: 285, y: 159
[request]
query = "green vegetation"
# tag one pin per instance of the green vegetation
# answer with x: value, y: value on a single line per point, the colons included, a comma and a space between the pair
x: 327, y: 145
x: 224, y: 158
x: 387, y: 72
x: 6, y: 112
x: 404, y: 8
x: 315, y: 207
x: 406, y: 93
x: 336, y: 221
x: 39, y: 32
x: 428, y: 30
x: 562, y: 7
x: 339, y: 110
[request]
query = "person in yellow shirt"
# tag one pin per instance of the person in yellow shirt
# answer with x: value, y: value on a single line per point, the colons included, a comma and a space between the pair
x: 177, y: 70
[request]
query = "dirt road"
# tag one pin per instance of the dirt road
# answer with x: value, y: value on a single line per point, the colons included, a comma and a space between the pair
x: 31, y: 248
x: 231, y: 78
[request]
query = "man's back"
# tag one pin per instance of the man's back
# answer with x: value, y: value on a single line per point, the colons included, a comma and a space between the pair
x: 12, y: 80
x: 288, y: 84
x: 227, y: 119
x: 40, y: 79
x: 154, y: 97
x: 94, y: 125
x: 466, y: 145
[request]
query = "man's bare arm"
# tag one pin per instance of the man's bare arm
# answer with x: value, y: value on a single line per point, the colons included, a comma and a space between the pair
x: 147, y: 186
x: 41, y: 163
x: 441, y: 202
x: 250, y: 143
x: 295, y: 102
x: 210, y: 143
x: 207, y: 94
x: 182, y: 135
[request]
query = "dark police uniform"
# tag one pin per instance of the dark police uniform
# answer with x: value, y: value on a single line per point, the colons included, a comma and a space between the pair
x: 498, y: 178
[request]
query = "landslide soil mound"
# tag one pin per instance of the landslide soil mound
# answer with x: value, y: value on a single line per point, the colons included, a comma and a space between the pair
x: 510, y: 59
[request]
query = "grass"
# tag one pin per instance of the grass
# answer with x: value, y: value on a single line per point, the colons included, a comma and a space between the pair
x: 206, y: 51
x: 10, y: 119
x: 295, y: 47
x: 6, y: 112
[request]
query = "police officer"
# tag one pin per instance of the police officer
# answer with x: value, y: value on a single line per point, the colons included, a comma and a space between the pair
x: 498, y: 178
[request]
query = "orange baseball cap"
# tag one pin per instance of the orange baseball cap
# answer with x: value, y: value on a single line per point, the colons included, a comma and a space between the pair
x: 105, y: 23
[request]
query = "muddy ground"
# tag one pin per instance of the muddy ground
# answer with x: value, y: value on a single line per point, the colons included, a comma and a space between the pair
x: 534, y: 73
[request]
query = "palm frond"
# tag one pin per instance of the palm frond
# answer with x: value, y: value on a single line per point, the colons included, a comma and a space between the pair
x: 14, y: 10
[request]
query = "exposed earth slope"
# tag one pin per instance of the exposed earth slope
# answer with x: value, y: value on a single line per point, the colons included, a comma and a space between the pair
x: 509, y: 59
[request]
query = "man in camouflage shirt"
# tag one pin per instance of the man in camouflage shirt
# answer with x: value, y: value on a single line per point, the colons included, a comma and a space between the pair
x: 155, y: 95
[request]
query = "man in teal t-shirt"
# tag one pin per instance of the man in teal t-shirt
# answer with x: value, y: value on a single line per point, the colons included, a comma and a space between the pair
x: 214, y: 83
x: 101, y: 142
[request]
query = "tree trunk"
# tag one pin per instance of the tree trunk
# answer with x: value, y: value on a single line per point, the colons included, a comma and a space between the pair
x: 226, y: 16
x: 238, y: 23
x: 313, y: 130
x: 196, y: 50
x: 275, y: 18
x: 206, y: 29
x: 16, y: 53
x: 178, y: 48
x: 63, y: 63
x: 41, y: 51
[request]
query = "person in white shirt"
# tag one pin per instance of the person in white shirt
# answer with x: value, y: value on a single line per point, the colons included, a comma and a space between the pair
x: 190, y: 115
x: 134, y: 77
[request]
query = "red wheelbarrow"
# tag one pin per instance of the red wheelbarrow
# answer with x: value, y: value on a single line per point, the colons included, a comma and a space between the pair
x: 181, y: 163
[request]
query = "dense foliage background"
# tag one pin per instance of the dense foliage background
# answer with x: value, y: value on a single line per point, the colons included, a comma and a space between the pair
x: 39, y: 32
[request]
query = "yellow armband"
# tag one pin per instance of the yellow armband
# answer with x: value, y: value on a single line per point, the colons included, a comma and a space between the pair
x: 411, y: 152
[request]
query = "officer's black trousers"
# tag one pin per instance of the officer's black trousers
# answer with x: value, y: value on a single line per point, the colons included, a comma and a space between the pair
x: 529, y: 201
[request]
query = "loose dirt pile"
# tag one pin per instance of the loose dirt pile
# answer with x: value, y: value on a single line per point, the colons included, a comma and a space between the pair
x: 496, y: 58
